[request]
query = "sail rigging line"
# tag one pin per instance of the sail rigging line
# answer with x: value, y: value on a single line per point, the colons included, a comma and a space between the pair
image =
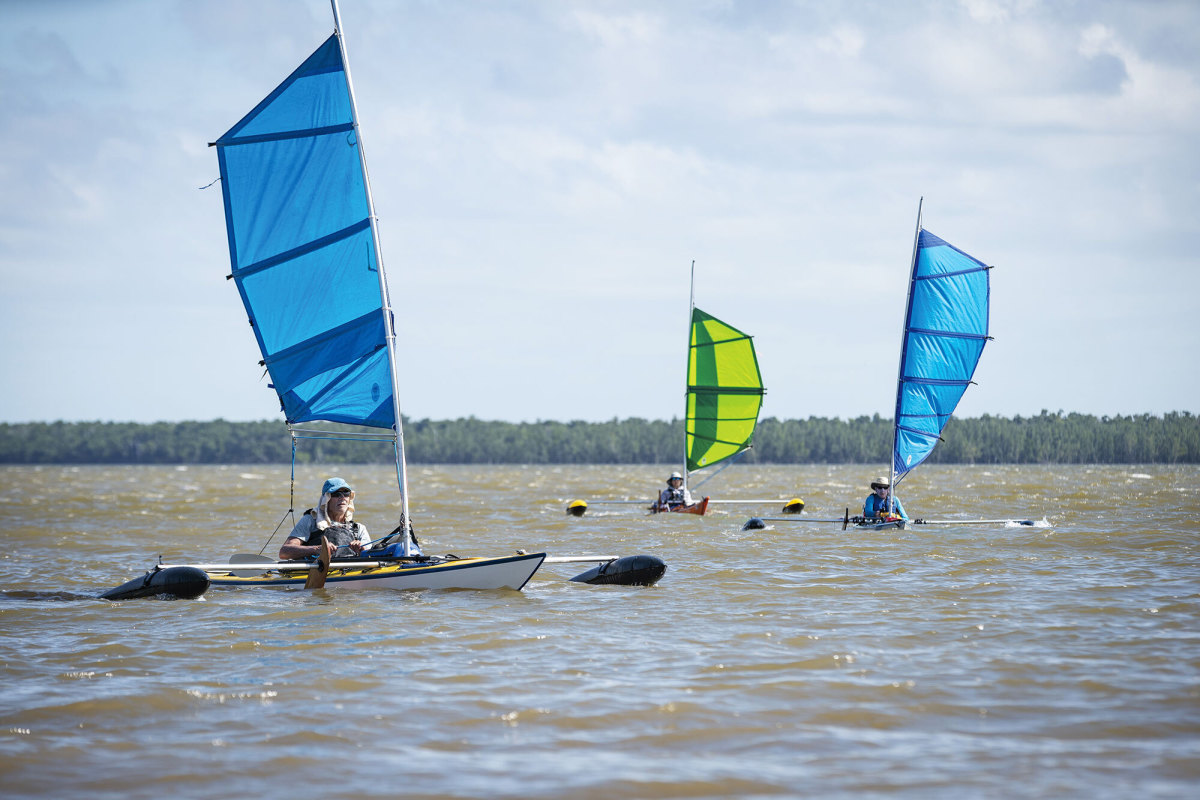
x: 291, y: 510
x: 350, y: 436
x: 726, y: 464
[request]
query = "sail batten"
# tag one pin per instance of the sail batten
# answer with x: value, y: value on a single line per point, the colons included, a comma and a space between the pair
x: 717, y: 390
x: 945, y: 331
x: 296, y: 252
x: 701, y: 345
x: 309, y: 133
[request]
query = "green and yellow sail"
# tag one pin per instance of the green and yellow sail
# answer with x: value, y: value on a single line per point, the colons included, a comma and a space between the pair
x: 724, y: 392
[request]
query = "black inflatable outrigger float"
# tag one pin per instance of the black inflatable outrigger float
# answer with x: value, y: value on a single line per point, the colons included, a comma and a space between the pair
x: 640, y: 570
x: 181, y: 583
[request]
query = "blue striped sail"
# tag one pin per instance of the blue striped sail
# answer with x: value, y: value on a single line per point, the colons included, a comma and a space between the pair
x: 302, y: 248
x: 945, y: 329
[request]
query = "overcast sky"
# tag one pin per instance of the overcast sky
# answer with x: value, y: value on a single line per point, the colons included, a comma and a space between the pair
x: 546, y: 172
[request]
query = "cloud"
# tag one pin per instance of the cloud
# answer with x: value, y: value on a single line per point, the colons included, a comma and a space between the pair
x: 618, y: 31
x: 545, y: 174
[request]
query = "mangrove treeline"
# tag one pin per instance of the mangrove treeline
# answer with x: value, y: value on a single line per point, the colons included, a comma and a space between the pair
x: 1049, y: 438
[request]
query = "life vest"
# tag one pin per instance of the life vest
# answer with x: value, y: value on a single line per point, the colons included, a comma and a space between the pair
x: 875, y: 507
x: 672, y: 497
x: 339, y: 534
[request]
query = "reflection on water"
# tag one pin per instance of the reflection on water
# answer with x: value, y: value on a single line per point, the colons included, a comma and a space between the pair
x: 800, y: 660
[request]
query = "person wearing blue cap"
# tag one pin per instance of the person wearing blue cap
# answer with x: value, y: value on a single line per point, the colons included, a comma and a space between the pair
x: 332, y: 519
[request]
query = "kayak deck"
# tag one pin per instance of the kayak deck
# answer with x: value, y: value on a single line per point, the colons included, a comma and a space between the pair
x: 698, y: 508
x: 506, y: 572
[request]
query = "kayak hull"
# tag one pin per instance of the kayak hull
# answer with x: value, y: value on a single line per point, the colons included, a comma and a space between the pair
x: 699, y: 508
x: 507, y: 572
x: 897, y: 524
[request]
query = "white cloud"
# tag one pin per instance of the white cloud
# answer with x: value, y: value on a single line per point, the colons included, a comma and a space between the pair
x: 996, y: 11
x: 844, y: 40
x: 1152, y: 94
x: 618, y: 30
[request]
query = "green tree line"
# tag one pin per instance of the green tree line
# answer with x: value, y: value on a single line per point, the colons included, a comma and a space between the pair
x: 1049, y: 438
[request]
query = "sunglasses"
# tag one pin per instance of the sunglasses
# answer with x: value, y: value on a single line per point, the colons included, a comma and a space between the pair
x: 342, y: 493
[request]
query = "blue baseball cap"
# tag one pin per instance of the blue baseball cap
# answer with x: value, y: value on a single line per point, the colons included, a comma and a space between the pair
x: 333, y: 484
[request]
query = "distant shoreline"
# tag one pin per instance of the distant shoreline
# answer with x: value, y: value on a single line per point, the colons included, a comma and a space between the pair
x: 1048, y: 438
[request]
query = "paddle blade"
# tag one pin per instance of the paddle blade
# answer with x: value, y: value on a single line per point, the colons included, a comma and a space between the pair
x: 319, y: 571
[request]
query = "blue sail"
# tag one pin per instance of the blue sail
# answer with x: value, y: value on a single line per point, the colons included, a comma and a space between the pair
x: 302, y: 248
x: 945, y: 329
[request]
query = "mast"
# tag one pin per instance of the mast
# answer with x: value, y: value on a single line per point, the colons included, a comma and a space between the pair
x: 688, y: 372
x: 900, y: 368
x: 385, y: 296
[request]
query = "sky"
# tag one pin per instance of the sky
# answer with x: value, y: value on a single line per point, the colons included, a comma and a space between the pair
x: 545, y: 174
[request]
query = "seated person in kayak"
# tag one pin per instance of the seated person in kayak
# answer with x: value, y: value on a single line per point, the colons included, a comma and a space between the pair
x: 675, y: 495
x: 333, y: 519
x: 876, y: 504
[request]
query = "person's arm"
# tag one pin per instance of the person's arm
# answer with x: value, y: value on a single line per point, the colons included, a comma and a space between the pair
x: 294, y: 549
x: 294, y: 546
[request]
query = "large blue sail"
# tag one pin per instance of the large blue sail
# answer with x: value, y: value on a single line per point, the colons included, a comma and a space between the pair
x: 945, y: 329
x: 302, y: 248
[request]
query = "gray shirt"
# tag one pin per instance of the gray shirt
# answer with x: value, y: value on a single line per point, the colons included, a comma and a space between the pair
x: 339, y: 535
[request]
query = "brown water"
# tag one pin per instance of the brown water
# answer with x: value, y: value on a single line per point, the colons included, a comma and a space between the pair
x: 798, y: 661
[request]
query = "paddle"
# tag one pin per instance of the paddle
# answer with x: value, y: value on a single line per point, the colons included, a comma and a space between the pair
x: 317, y: 573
